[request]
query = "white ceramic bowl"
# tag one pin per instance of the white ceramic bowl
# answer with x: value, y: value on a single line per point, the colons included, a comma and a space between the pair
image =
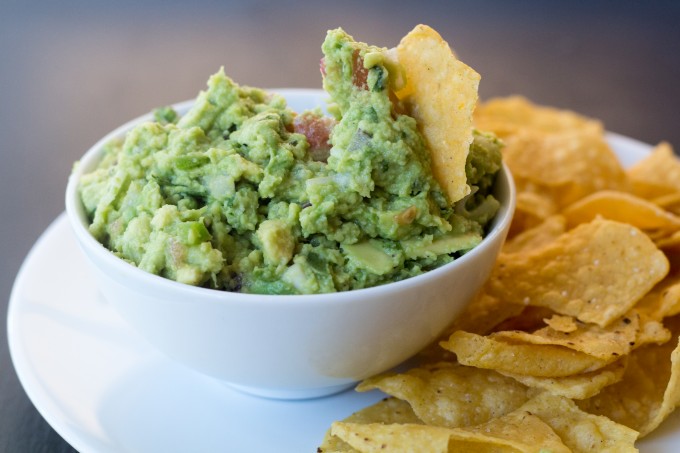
x: 287, y: 346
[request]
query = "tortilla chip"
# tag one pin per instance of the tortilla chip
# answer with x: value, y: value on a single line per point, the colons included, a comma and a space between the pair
x: 656, y: 175
x: 580, y: 431
x: 527, y: 359
x: 442, y: 94
x: 448, y: 394
x: 569, y: 165
x: 517, y: 432
x: 510, y: 115
x: 377, y: 437
x: 663, y: 300
x: 577, y: 386
x: 387, y: 411
x: 616, y: 339
x: 622, y: 207
x: 532, y: 208
x: 595, y: 272
x: 649, y: 390
x: 538, y: 236
x: 522, y: 430
x: 563, y: 154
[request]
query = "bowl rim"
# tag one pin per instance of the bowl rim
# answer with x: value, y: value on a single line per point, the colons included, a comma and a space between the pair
x: 76, y: 216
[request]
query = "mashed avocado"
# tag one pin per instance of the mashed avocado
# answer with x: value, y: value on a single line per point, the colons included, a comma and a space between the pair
x: 243, y: 194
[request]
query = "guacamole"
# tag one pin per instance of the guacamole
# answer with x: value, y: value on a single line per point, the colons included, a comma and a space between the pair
x: 243, y: 194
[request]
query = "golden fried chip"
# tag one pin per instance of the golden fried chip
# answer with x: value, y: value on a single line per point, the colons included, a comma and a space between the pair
x: 532, y: 208
x: 441, y: 94
x: 540, y: 235
x: 663, y: 300
x: 649, y: 390
x: 387, y: 411
x: 656, y: 175
x: 377, y: 437
x: 568, y: 165
x: 544, y: 423
x: 518, y: 432
x: 506, y: 116
x: 622, y: 207
x: 521, y: 430
x: 528, y: 359
x: 616, y: 339
x: 580, y: 431
x: 595, y: 272
x: 451, y: 395
x: 564, y: 154
x: 577, y: 386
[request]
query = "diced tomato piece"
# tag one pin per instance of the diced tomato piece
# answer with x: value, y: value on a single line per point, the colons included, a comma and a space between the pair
x: 318, y: 131
x: 359, y: 74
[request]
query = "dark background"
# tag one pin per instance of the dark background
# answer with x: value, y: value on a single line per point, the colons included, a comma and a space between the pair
x: 70, y: 71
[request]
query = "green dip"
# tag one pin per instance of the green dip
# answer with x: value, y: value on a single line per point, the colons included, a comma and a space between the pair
x: 241, y: 194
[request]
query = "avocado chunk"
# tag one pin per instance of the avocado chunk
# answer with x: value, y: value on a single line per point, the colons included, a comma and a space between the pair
x: 277, y: 241
x: 369, y: 256
x: 449, y: 243
x: 301, y: 276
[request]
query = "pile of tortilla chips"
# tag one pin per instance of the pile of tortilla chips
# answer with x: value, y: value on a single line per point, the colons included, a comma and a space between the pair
x: 572, y: 345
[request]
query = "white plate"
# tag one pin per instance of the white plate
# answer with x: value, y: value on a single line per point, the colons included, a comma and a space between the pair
x: 104, y: 389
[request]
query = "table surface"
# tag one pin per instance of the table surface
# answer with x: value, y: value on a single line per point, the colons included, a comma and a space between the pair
x: 70, y: 71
